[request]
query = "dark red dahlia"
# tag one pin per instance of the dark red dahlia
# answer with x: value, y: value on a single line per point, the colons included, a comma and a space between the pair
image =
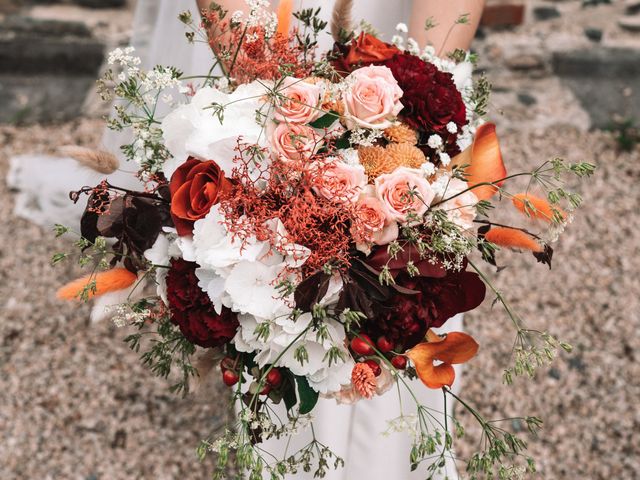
x: 431, y: 99
x: 192, y: 310
x: 405, y: 319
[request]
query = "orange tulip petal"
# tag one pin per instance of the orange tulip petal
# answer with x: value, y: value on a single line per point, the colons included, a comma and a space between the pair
x: 285, y: 9
x: 535, y: 207
x: 512, y: 238
x: 456, y: 347
x: 109, y: 281
x: 484, y: 161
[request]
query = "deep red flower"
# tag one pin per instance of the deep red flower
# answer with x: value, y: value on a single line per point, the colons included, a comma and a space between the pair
x: 192, y: 311
x: 440, y: 295
x: 431, y: 99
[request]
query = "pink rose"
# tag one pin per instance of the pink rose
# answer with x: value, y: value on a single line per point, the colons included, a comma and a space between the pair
x: 372, y: 220
x: 373, y: 97
x: 302, y: 101
x: 340, y: 182
x: 461, y: 209
x: 294, y: 141
x: 404, y: 191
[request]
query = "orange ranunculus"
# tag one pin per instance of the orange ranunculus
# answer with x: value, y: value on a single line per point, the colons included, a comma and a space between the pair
x: 484, y: 162
x: 362, y: 51
x: 455, y: 347
x: 195, y: 187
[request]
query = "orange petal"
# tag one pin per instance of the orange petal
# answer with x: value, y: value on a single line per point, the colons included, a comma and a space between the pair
x: 456, y: 347
x: 484, y: 162
x: 109, y: 281
x: 510, y: 237
x: 285, y: 9
x: 535, y: 207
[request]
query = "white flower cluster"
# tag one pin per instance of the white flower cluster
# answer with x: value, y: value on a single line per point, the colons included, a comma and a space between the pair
x: 124, y: 315
x: 124, y: 59
x: 259, y: 15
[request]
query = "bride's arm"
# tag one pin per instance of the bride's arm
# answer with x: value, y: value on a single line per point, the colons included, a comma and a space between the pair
x: 444, y: 14
x: 231, y: 5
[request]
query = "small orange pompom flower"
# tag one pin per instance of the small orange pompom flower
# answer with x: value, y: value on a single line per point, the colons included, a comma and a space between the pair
x: 364, y: 380
x: 401, y: 133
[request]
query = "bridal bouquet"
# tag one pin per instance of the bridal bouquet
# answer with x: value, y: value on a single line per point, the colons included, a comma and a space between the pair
x: 305, y: 221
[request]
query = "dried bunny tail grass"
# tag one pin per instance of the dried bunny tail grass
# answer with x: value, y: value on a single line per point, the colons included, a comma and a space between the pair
x: 405, y: 155
x: 512, y: 238
x: 341, y: 18
x: 401, y: 133
x: 375, y: 161
x: 536, y: 207
x: 98, y: 160
x: 103, y: 282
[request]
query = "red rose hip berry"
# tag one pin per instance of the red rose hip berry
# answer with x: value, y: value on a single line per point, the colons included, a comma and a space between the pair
x: 230, y: 378
x: 375, y: 367
x: 399, y: 362
x: 362, y: 345
x: 384, y: 345
x: 274, y: 377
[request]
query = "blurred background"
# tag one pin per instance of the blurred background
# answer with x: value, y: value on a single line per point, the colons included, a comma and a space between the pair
x: 75, y: 403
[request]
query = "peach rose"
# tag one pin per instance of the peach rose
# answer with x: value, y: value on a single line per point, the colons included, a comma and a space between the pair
x: 461, y: 209
x: 294, y: 141
x: 404, y: 191
x: 373, y: 97
x: 341, y: 182
x: 372, y: 220
x: 302, y: 101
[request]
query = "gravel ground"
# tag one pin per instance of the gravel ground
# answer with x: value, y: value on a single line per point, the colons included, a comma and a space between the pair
x: 77, y: 404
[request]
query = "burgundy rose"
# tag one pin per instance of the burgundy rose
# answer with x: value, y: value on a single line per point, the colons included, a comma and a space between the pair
x: 195, y: 187
x: 431, y: 99
x: 192, y: 310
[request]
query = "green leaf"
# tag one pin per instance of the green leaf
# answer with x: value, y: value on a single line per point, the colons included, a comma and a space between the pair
x: 308, y: 396
x: 289, y: 392
x: 325, y: 121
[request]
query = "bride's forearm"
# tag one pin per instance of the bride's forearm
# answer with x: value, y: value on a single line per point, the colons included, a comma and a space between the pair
x: 231, y: 5
x: 446, y: 35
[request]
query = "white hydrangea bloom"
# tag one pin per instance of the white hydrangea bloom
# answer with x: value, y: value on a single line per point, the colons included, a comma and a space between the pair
x: 197, y: 129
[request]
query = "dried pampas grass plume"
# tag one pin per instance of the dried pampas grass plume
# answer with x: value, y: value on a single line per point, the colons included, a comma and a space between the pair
x: 341, y: 18
x: 98, y: 160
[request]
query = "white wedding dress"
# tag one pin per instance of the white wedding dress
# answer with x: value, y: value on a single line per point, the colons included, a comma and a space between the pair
x: 354, y: 432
